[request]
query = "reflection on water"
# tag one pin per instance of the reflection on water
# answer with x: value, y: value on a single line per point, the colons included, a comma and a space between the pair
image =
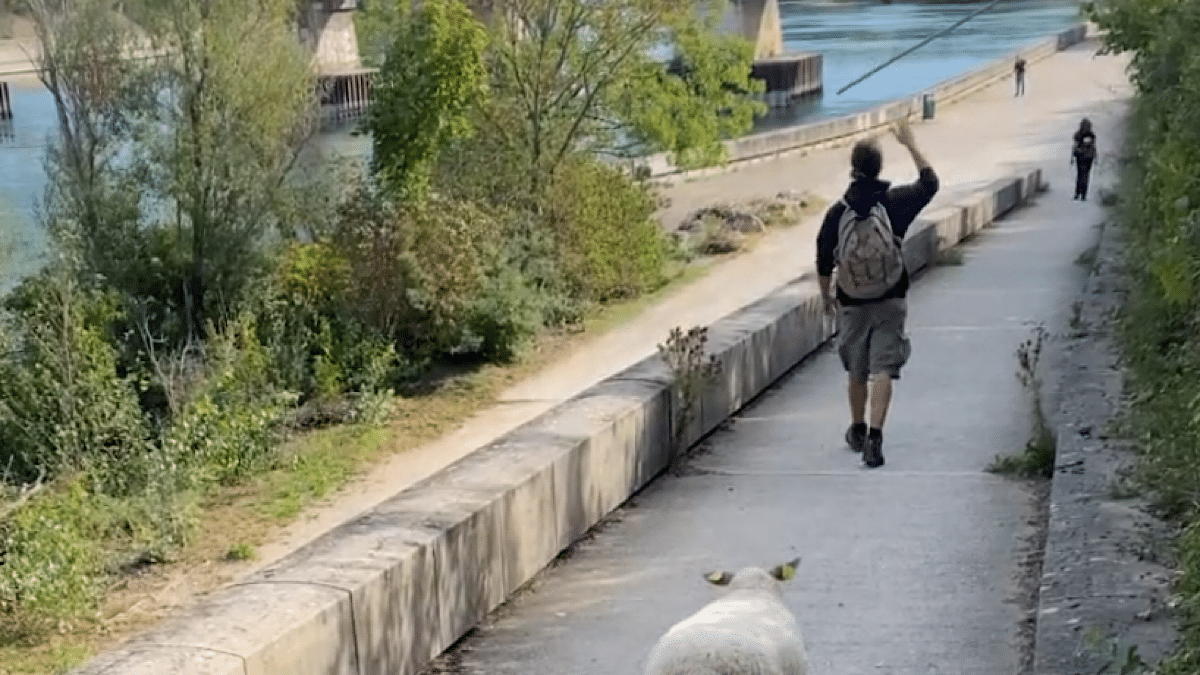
x: 853, y: 37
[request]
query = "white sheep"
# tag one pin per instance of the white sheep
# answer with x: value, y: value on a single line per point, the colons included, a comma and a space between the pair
x: 747, y: 631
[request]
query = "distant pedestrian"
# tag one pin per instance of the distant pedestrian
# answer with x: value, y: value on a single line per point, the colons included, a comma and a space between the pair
x: 1083, y: 153
x: 861, y: 236
x: 1019, y: 75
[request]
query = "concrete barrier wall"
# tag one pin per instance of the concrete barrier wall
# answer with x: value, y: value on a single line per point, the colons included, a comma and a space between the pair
x: 848, y: 128
x: 387, y: 592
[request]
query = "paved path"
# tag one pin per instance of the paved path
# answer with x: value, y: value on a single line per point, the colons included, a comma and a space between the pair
x: 970, y: 144
x: 913, y: 568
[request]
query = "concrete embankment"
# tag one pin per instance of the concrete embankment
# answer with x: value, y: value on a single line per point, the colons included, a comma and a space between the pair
x: 387, y: 592
x: 1107, y: 574
x: 805, y: 138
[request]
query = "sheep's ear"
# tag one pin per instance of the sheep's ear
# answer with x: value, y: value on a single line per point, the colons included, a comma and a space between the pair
x: 786, y: 571
x: 718, y: 578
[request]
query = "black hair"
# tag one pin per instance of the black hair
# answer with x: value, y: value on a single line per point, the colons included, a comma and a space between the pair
x: 866, y: 160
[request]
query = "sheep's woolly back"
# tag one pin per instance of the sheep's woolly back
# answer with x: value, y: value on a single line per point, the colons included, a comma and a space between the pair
x: 748, y: 631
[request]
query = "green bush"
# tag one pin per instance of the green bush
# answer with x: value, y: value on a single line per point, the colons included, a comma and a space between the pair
x: 63, y: 404
x: 505, y: 315
x: 440, y: 277
x: 610, y: 246
x: 317, y: 343
x: 52, y: 567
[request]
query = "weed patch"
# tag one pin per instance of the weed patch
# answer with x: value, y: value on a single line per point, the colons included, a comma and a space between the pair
x: 242, y: 551
x: 1036, y: 461
x: 693, y: 370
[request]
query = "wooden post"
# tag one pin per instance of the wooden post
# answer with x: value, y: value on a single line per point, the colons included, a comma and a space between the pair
x: 6, y: 112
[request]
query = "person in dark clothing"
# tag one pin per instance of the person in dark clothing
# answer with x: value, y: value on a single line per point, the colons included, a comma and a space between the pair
x: 1019, y: 75
x: 1083, y: 153
x: 871, y: 339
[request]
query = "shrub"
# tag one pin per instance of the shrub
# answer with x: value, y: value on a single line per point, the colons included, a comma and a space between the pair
x: 228, y: 427
x: 52, y: 567
x: 443, y: 277
x: 610, y: 247
x: 317, y: 346
x: 63, y: 404
x: 505, y: 315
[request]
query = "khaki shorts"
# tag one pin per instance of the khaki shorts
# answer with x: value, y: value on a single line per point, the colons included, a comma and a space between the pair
x: 871, y: 338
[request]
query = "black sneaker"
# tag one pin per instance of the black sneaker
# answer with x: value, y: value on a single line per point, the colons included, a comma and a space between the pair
x: 856, y: 436
x: 872, y: 450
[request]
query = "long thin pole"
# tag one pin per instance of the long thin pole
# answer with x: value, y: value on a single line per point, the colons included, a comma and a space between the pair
x: 920, y: 44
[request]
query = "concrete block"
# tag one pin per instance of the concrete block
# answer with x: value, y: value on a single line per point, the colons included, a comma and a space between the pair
x: 376, y: 559
x: 1027, y: 184
x: 611, y: 429
x: 949, y: 223
x: 920, y: 245
x: 726, y: 343
x: 154, y: 660
x: 1033, y: 184
x: 271, y: 628
x: 1006, y: 195
x: 453, y: 568
x: 977, y: 212
x: 653, y: 379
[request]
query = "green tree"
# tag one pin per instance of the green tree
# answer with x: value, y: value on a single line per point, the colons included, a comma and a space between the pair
x: 707, y: 95
x: 434, y: 72
x: 375, y: 26
x: 170, y: 175
x: 236, y: 107
x: 572, y: 75
x: 92, y: 200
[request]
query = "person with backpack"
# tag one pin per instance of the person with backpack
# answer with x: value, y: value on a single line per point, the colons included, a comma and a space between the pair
x: 861, y: 237
x: 1083, y: 153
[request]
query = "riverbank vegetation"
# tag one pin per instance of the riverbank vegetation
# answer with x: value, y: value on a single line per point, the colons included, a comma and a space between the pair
x: 212, y: 298
x: 1161, y: 322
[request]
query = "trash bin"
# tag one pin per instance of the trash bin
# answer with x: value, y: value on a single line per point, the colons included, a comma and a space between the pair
x: 927, y: 106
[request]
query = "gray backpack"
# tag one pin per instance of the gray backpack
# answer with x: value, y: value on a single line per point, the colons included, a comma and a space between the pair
x: 869, y: 261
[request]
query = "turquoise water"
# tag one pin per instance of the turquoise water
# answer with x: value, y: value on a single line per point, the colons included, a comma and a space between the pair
x: 852, y: 36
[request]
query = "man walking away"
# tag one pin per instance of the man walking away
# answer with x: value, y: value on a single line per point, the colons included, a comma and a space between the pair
x: 1083, y: 153
x: 861, y: 236
x: 1019, y: 74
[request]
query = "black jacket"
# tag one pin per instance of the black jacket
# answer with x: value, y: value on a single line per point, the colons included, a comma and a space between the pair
x: 903, y: 203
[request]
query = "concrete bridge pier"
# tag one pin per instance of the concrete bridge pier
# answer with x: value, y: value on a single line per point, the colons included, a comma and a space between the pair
x: 327, y: 27
x: 757, y: 21
x: 787, y: 76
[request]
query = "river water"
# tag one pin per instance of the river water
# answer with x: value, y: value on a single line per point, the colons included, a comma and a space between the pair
x: 852, y: 36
